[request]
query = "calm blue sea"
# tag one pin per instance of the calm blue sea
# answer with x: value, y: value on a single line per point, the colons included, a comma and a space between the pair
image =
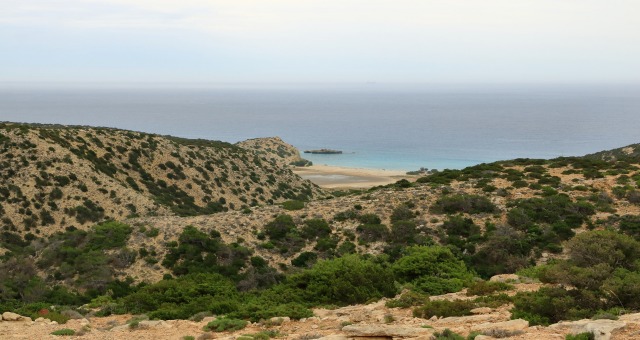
x: 376, y: 125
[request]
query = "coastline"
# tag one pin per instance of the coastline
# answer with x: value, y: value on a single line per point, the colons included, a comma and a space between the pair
x: 336, y: 177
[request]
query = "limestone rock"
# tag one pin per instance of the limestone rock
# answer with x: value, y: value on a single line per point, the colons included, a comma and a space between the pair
x: 71, y: 314
x: 333, y: 337
x: 120, y: 328
x: 385, y: 331
x: 481, y: 310
x: 280, y: 320
x: 505, y: 278
x: 153, y: 324
x: 511, y: 325
x: 600, y: 328
x: 8, y: 316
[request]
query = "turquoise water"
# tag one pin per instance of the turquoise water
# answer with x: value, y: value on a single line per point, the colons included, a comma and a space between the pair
x: 377, y: 126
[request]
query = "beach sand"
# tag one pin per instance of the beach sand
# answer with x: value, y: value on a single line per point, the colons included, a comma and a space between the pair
x: 335, y: 177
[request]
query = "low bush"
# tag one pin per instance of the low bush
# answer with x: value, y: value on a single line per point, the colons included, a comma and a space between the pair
x: 487, y: 287
x: 64, y: 332
x: 225, y: 324
x: 580, y: 336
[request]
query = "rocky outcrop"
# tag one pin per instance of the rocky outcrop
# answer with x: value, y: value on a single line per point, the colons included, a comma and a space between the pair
x: 600, y: 328
x: 9, y: 316
x: 385, y: 331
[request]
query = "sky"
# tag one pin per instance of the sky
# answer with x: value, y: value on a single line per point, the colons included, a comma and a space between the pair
x: 406, y: 41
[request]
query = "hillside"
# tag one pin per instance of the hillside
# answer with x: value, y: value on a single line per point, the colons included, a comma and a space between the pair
x: 629, y: 152
x: 56, y: 176
x: 569, y: 227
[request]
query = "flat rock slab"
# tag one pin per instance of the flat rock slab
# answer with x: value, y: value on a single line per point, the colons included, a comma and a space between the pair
x: 385, y: 331
x: 600, y: 328
x: 511, y: 325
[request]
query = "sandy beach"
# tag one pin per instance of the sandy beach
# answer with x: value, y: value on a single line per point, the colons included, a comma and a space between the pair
x: 334, y: 177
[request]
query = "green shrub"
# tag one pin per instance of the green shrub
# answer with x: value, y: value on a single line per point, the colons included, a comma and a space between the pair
x: 487, y: 287
x: 432, y: 270
x: 225, y: 324
x: 64, y: 332
x: 447, y: 334
x: 293, y: 205
x: 464, y: 203
x: 343, y: 281
x: 580, y: 336
x: 280, y: 227
x: 408, y: 299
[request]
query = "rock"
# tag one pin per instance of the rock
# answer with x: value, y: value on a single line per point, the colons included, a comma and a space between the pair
x: 120, y: 328
x: 333, y: 337
x: 461, y: 320
x: 505, y: 278
x: 511, y: 325
x: 41, y: 319
x: 280, y: 320
x: 481, y: 310
x: 153, y: 323
x: 71, y: 314
x: 600, y: 328
x: 385, y: 331
x: 314, y: 327
x: 53, y: 322
x: 84, y: 322
x: 483, y: 337
x: 8, y: 316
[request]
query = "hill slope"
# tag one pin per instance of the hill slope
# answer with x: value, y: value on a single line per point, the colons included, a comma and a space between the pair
x: 59, y: 176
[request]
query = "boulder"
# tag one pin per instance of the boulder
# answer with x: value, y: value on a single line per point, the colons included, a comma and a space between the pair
x: 71, y: 314
x: 333, y: 337
x: 279, y: 320
x: 153, y: 324
x: 481, y: 310
x: 385, y: 331
x: 8, y: 316
x: 505, y: 278
x: 511, y: 325
x: 600, y: 328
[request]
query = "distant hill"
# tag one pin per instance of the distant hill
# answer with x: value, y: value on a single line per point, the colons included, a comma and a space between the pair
x: 629, y: 152
x: 57, y: 176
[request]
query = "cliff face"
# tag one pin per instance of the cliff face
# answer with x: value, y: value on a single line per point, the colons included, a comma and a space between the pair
x: 55, y: 176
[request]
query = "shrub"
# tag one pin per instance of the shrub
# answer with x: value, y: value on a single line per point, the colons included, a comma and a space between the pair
x: 293, y: 205
x: 278, y: 228
x: 225, y: 324
x: 408, y: 299
x: 487, y: 287
x: 470, y: 204
x: 344, y: 281
x: 432, y: 270
x: 315, y: 228
x: 64, y: 332
x: 447, y: 334
x: 372, y: 232
x: 305, y: 259
x: 580, y: 336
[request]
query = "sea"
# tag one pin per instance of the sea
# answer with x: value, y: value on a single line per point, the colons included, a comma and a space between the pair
x: 376, y: 125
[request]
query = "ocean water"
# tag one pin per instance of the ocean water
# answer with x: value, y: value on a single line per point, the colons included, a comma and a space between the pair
x: 375, y: 125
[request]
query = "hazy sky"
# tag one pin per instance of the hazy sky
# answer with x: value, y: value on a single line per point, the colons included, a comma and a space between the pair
x: 434, y: 41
